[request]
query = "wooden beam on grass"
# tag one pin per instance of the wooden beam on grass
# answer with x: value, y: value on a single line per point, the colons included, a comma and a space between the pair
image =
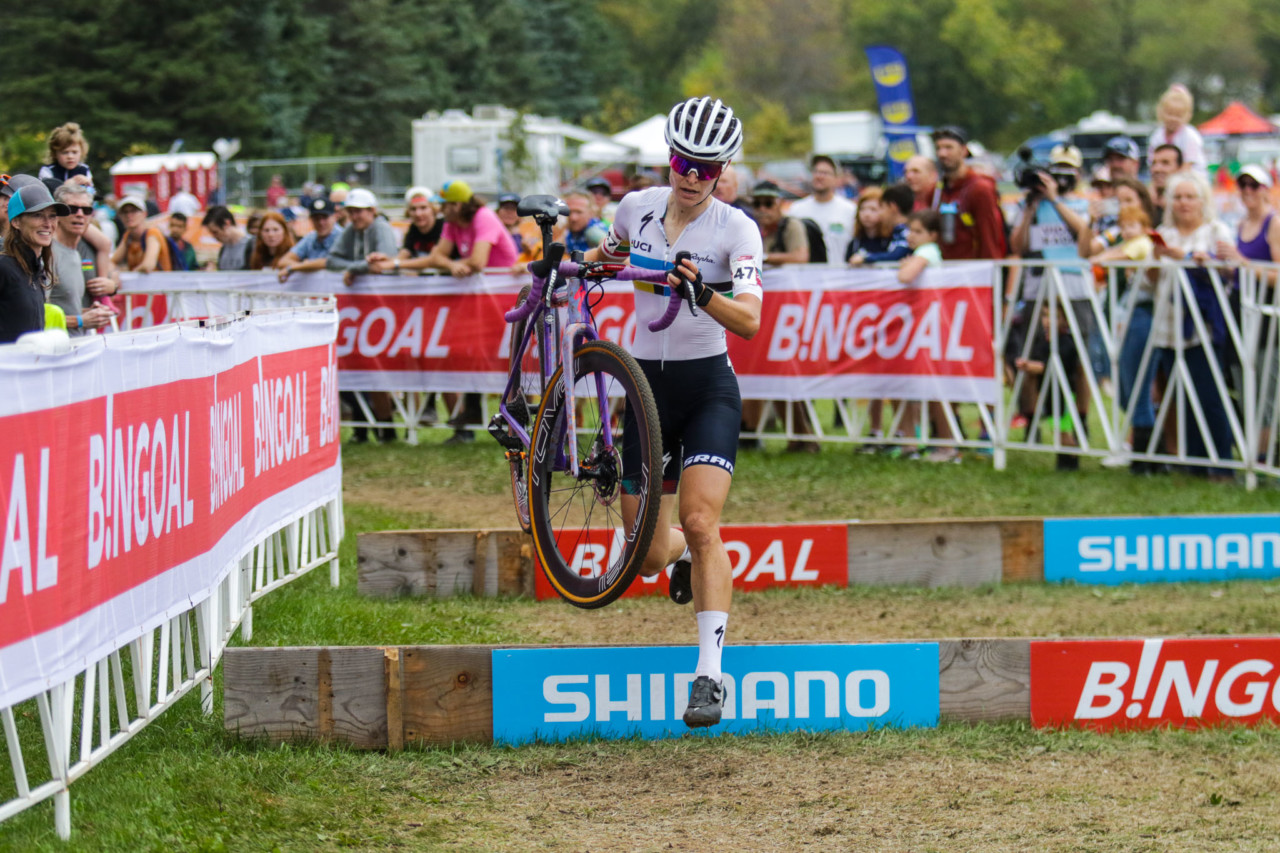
x: 441, y: 563
x: 984, y: 680
x: 925, y: 553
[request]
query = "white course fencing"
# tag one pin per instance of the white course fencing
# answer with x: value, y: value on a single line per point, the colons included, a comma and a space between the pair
x: 200, y: 472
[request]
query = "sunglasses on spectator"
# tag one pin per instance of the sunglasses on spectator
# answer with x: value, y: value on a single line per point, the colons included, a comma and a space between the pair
x: 73, y: 208
x: 767, y: 201
x: 704, y: 170
x: 1248, y: 184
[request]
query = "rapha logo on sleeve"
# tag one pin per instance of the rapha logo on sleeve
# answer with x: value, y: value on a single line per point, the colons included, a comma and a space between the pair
x: 1110, y: 551
x: 557, y: 694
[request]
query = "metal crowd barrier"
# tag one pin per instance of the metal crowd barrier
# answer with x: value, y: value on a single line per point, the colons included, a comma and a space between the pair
x: 72, y: 726
x: 1237, y: 379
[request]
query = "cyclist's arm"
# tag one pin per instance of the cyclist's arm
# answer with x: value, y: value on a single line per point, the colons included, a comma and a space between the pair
x: 740, y: 315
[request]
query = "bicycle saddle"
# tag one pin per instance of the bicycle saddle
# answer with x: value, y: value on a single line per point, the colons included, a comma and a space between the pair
x: 542, y: 207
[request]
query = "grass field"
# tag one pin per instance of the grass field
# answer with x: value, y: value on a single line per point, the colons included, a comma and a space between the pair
x: 183, y: 784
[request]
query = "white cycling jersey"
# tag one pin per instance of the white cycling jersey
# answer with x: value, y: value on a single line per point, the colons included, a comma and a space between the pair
x: 724, y: 243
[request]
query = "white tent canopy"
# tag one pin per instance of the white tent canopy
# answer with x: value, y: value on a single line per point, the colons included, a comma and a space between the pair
x: 643, y: 145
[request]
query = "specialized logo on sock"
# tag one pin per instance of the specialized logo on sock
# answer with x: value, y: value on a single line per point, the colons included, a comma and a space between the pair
x: 555, y: 694
x: 720, y: 637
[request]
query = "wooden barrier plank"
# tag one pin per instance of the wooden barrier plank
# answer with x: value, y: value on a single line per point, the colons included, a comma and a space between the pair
x: 415, y: 562
x: 1022, y: 542
x: 448, y: 694
x: 276, y: 693
x: 515, y: 564
x: 984, y: 680
x: 925, y: 553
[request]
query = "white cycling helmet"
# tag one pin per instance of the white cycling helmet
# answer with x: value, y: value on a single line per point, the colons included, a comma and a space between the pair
x: 704, y: 129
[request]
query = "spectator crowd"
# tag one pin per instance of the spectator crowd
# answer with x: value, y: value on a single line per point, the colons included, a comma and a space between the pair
x: 65, y: 241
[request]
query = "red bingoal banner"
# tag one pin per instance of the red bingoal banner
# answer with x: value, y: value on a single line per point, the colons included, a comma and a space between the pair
x: 137, y: 469
x: 825, y: 332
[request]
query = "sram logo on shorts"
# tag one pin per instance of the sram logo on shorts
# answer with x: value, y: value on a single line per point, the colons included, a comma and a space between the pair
x: 760, y: 556
x: 1127, y: 684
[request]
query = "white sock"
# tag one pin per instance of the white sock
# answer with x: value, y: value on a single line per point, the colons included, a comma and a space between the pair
x: 686, y: 554
x: 711, y: 628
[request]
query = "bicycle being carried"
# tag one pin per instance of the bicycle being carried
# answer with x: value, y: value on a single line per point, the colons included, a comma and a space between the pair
x: 567, y: 469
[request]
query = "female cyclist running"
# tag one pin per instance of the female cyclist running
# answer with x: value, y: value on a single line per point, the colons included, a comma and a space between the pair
x: 687, y: 365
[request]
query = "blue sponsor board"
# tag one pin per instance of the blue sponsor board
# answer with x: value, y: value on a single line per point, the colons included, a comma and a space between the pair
x: 1111, y: 551
x: 556, y: 694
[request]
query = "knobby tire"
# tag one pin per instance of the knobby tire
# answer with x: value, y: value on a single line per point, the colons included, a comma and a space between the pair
x: 564, y: 509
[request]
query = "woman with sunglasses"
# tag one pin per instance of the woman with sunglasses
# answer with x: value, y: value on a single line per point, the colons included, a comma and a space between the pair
x: 687, y: 365
x: 1258, y: 242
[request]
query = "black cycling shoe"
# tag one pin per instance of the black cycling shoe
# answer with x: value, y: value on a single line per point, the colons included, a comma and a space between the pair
x: 706, y: 699
x: 681, y: 587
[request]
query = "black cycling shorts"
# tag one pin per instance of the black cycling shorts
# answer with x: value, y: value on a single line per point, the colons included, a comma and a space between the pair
x: 700, y: 413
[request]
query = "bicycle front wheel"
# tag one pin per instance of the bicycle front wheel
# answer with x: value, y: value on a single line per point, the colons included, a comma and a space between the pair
x: 525, y: 391
x: 587, y: 551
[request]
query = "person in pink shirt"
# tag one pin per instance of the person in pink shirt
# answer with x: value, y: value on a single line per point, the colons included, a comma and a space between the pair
x: 477, y: 232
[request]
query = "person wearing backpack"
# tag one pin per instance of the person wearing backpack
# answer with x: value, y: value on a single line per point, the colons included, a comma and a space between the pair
x: 829, y: 214
x: 144, y: 247
x: 785, y: 240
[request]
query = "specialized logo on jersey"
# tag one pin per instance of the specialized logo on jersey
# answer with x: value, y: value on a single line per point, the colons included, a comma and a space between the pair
x: 644, y: 220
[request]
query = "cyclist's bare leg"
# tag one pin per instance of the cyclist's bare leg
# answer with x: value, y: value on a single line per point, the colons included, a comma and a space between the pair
x: 667, y: 544
x: 703, y: 492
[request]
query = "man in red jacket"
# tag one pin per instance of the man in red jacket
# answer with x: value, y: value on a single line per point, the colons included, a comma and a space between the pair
x: 972, y: 223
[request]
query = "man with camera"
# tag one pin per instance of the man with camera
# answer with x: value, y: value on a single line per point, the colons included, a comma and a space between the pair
x: 967, y: 202
x: 1054, y: 213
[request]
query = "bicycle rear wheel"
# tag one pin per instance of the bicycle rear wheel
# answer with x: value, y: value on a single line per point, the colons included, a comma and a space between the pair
x: 582, y: 543
x: 521, y: 402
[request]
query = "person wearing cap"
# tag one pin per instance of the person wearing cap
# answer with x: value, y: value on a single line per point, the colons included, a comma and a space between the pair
x: 508, y: 211
x: 474, y: 230
x: 237, y: 246
x: 967, y: 201
x: 7, y: 188
x: 1053, y: 217
x: 602, y: 194
x: 311, y: 253
x: 1258, y: 242
x: 26, y: 261
x: 143, y: 248
x: 785, y: 240
x: 1122, y: 157
x: 367, y: 234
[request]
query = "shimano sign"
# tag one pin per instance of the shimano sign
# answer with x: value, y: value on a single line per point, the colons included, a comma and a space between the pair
x: 1111, y: 551
x: 555, y: 694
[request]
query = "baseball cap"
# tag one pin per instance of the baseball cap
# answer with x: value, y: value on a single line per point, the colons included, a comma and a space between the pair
x: 1256, y: 172
x: 598, y: 183
x: 508, y: 198
x: 15, y: 183
x: 766, y: 189
x: 33, y: 198
x: 132, y: 201
x: 322, y: 207
x: 1066, y: 155
x: 361, y: 197
x: 456, y: 191
x: 1122, y: 145
x: 1101, y: 175
x: 414, y: 192
x: 950, y: 131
